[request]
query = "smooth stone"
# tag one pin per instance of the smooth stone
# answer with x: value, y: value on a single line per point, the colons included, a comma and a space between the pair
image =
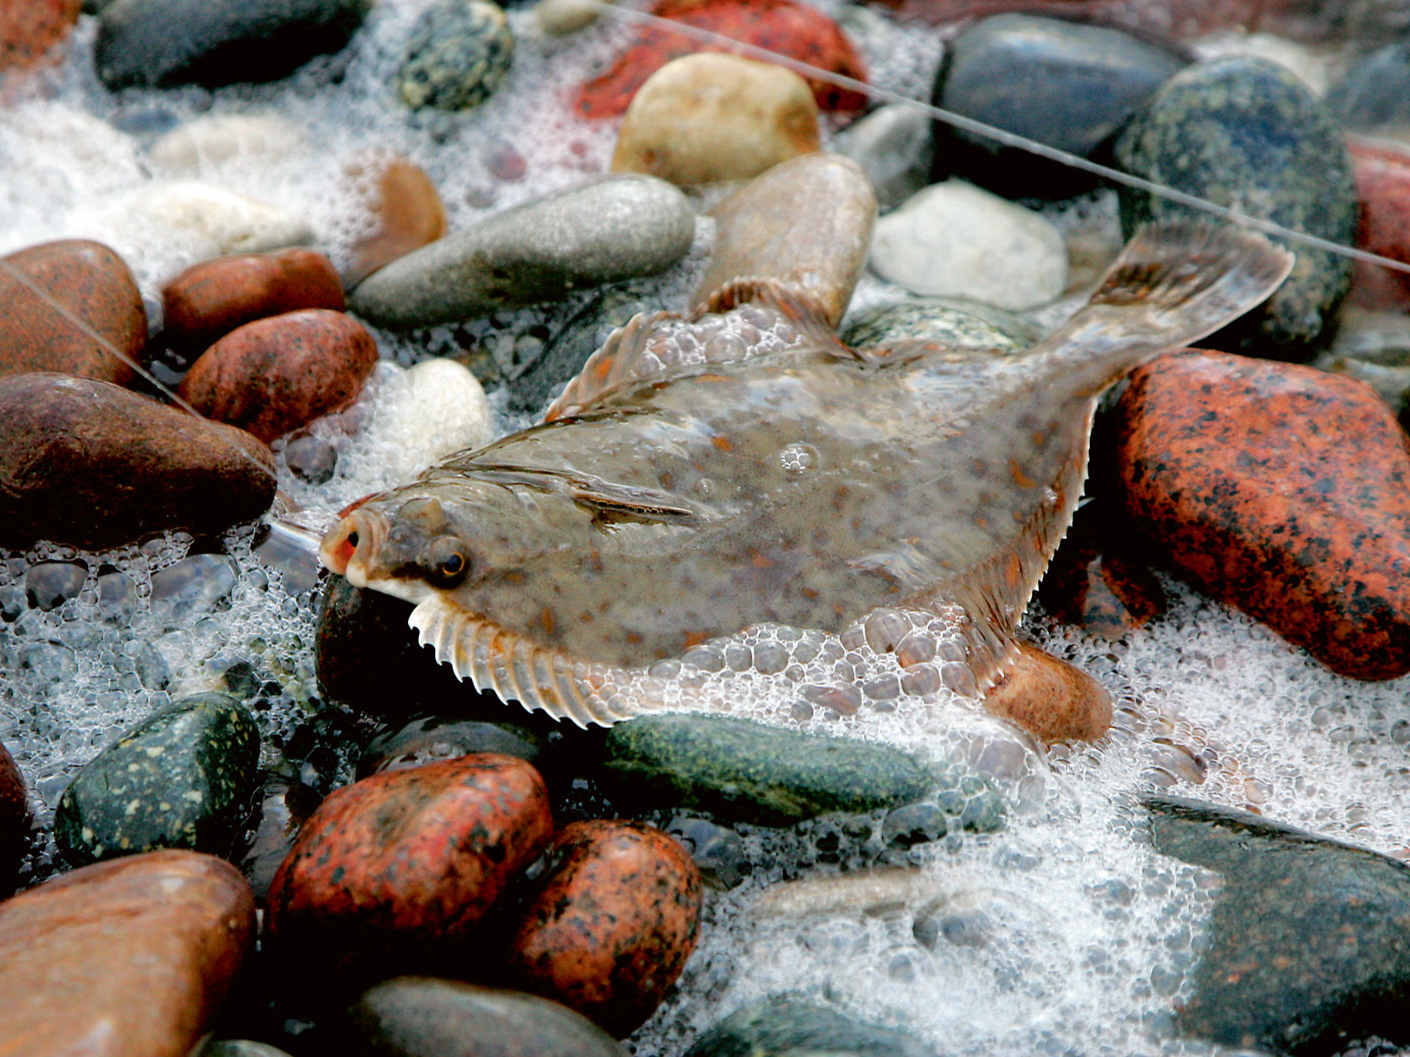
x: 48, y: 585
x: 406, y: 213
x: 617, y: 227
x: 160, y: 43
x: 310, y: 458
x: 197, y: 584
x: 1373, y: 96
x: 558, y: 18
x: 948, y: 321
x: 182, y: 778
x: 782, y: 1026
x: 460, y: 52
x: 1382, y: 172
x: 718, y: 852
x: 286, y: 805
x: 1065, y: 84
x: 1210, y: 131
x: 1307, y: 945
x: 794, y: 30
x: 130, y: 958
x: 611, y: 923
x: 209, y: 220
x: 1050, y: 699
x: 74, y: 453
x: 424, y: 413
x: 421, y: 1016
x: 428, y: 739
x: 92, y: 283
x: 216, y: 140
x: 239, y: 1048
x: 394, y: 872
x: 711, y: 117
x: 894, y: 146
x: 209, y: 300
x: 741, y: 771
x: 805, y: 223
x: 14, y: 819
x: 957, y: 240
x: 30, y: 28
x: 1290, y: 502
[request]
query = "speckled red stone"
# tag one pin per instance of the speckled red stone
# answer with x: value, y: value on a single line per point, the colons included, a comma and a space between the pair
x: 780, y: 25
x: 612, y: 923
x: 1382, y: 174
x: 29, y: 28
x: 399, y: 868
x: 274, y: 375
x: 1281, y: 490
x: 14, y: 819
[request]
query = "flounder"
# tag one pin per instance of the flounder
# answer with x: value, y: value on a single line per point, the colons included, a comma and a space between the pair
x: 738, y: 490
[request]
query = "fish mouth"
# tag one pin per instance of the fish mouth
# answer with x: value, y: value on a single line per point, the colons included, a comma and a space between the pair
x: 350, y: 545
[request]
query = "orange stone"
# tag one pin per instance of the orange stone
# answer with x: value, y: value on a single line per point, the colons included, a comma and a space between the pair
x: 1050, y: 698
x: 407, y: 212
x: 29, y: 28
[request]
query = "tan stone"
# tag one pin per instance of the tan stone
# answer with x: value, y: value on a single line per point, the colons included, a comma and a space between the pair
x: 406, y: 210
x: 709, y: 117
x: 1050, y: 698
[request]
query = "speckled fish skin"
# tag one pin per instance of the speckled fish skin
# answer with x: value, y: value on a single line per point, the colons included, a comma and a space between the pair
x: 806, y: 486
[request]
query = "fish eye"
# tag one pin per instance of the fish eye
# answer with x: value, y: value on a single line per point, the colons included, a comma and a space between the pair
x: 447, y: 561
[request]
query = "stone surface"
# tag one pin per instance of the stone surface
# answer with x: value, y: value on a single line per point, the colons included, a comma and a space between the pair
x: 894, y: 146
x: 1374, y: 94
x: 209, y: 300
x: 613, y: 228
x: 957, y: 240
x: 285, y: 806
x: 406, y: 211
x: 420, y: 1016
x: 1210, y: 131
x: 949, y: 321
x: 239, y: 1048
x: 558, y: 18
x: 1382, y: 173
x: 90, y: 464
x: 428, y: 739
x: 28, y: 29
x: 394, y: 872
x: 805, y: 223
x: 218, y: 42
x: 711, y: 117
x: 782, y: 26
x: 611, y: 924
x: 14, y: 819
x: 94, y: 286
x: 182, y: 778
x: 781, y: 1026
x: 424, y: 413
x: 1281, y: 490
x: 1050, y: 698
x: 460, y: 52
x: 213, y: 141
x: 274, y: 375
x: 206, y: 219
x: 1309, y: 939
x: 130, y: 958
x: 1064, y: 84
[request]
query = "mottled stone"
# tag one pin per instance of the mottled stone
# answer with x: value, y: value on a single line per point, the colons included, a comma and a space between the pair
x: 711, y: 117
x: 208, y: 219
x: 618, y: 227
x: 28, y: 29
x: 1210, y: 131
x: 14, y: 819
x: 788, y: 1027
x: 1050, y: 698
x: 949, y: 321
x: 611, y: 924
x: 428, y: 739
x: 1064, y: 84
x: 90, y: 464
x: 1309, y: 940
x: 218, y: 42
x: 894, y: 146
x: 419, y: 1016
x: 130, y: 958
x: 394, y: 872
x: 406, y: 213
x: 459, y: 53
x: 209, y: 300
x: 791, y: 29
x: 805, y: 223
x: 1281, y: 490
x: 94, y: 286
x: 1382, y: 173
x: 274, y: 375
x: 182, y: 778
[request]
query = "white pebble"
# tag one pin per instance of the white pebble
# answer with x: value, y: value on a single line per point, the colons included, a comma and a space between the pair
x: 423, y: 414
x: 209, y: 142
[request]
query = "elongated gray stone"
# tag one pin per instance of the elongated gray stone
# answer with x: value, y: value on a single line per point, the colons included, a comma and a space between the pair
x: 618, y: 227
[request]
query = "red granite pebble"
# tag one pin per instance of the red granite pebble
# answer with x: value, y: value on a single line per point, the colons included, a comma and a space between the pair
x: 398, y: 869
x: 1050, y: 698
x: 274, y: 375
x: 1382, y: 173
x: 14, y: 819
x: 611, y: 924
x: 1281, y: 490
x: 94, y: 286
x: 406, y: 211
x: 791, y: 29
x: 210, y: 299
x: 29, y: 28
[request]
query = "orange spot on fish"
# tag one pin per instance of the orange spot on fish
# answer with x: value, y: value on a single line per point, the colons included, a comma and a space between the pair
x: 546, y: 619
x: 722, y: 443
x: 634, y: 638
x: 760, y: 561
x: 1013, y: 570
x: 604, y: 368
x: 694, y: 638
x: 1019, y: 477
x: 980, y: 521
x: 356, y: 503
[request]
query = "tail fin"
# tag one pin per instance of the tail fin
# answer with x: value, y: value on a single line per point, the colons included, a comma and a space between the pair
x: 1175, y: 283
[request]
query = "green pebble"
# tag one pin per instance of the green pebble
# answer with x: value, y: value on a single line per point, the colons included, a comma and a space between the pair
x: 949, y: 321
x: 459, y: 53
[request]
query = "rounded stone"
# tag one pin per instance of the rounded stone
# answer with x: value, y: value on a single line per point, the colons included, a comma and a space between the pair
x: 182, y: 778
x: 90, y: 282
x: 949, y: 321
x: 611, y: 924
x: 894, y: 145
x: 428, y: 739
x: 406, y: 214
x: 92, y: 465
x: 14, y: 819
x: 30, y: 28
x: 285, y: 807
x: 1374, y: 95
x: 1382, y: 173
x: 212, y: 141
x: 460, y: 52
x: 782, y: 1026
x: 210, y: 299
x: 711, y: 117
x: 423, y: 414
x: 206, y: 217
x: 274, y: 375
x: 1049, y: 698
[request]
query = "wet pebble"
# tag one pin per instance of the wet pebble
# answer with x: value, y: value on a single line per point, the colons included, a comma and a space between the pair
x: 558, y: 18
x: 1289, y: 503
x: 197, y: 583
x: 428, y: 739
x: 717, y: 851
x: 130, y: 958
x: 207, y: 219
x: 460, y: 52
x: 274, y: 375
x: 91, y: 282
x: 893, y: 144
x: 310, y: 458
x: 949, y: 321
x: 212, y: 141
x: 617, y: 227
x: 406, y: 214
x: 239, y: 1048
x: 28, y: 30
x: 14, y: 819
x: 1382, y: 173
x: 1050, y: 699
x: 1373, y: 96
x: 182, y: 778
x: 285, y: 806
x: 424, y: 413
x: 783, y: 1026
x: 957, y: 240
x: 711, y: 117
x: 74, y: 452
x: 609, y: 928
x: 48, y: 585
